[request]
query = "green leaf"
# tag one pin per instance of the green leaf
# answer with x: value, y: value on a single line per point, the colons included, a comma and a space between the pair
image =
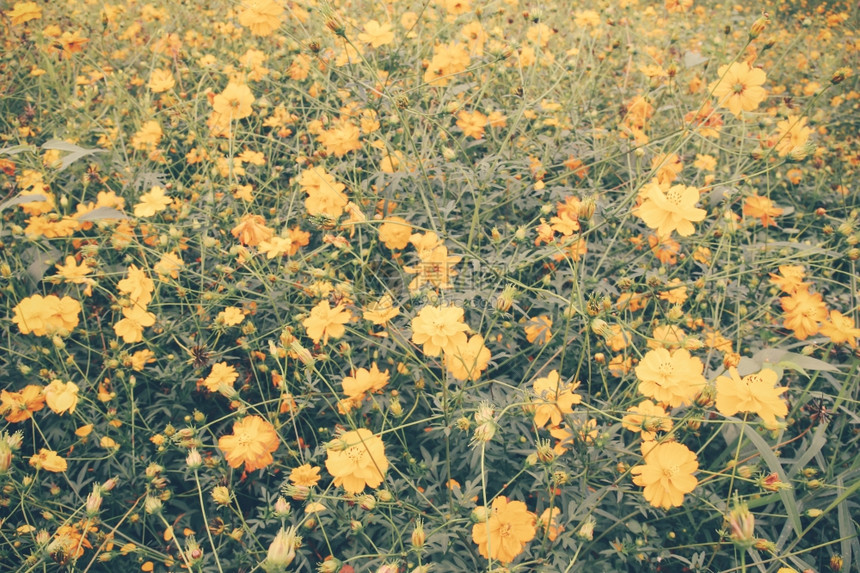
x: 787, y: 495
x: 102, y: 214
x: 22, y: 199
x: 16, y: 149
x: 74, y: 152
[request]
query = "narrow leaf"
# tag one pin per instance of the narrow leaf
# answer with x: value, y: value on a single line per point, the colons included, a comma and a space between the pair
x: 21, y: 200
x: 773, y: 465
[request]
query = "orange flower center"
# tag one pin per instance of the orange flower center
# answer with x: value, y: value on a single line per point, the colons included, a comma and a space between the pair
x: 243, y: 439
x: 738, y: 88
x: 505, y: 529
x: 353, y: 454
x: 671, y: 471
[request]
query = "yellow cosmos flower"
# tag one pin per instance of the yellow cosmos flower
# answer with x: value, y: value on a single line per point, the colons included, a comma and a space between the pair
x: 739, y: 87
x: 61, y: 396
x: 326, y: 322
x: 261, y: 17
x: 46, y: 315
x: 554, y: 399
x: 755, y: 393
x: 667, y: 474
x: 252, y: 442
x: 506, y: 532
x: 49, y: 461
x: 670, y: 209
x: 674, y: 378
x: 467, y: 361
x: 439, y: 328
x: 357, y: 460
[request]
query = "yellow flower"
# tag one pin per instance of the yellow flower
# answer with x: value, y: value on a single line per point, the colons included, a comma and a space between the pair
x: 381, y: 311
x: 23, y: 12
x: 667, y: 474
x: 46, y: 315
x: 539, y: 329
x: 792, y: 133
x: 19, y: 406
x: 394, y: 232
x: 507, y: 530
x: 305, y: 475
x: 252, y: 230
x: 262, y: 17
x: 357, y: 460
x: 152, y: 202
x: 342, y: 138
x: 61, y: 396
x: 73, y: 273
x: 364, y: 380
x: 252, y: 442
x: 647, y: 418
x: 467, y: 361
x: 756, y: 393
x: 439, y: 328
x: 739, y: 87
x: 840, y: 329
x: 222, y: 374
x: 548, y: 522
x: 230, y: 316
x: 435, y: 267
x: 160, y: 81
x: 376, y: 34
x: 325, y: 195
x: 674, y: 378
x: 140, y: 359
x: 325, y: 322
x: 234, y: 102
x: 670, y: 210
x: 168, y: 266
x: 49, y: 461
x: 554, y: 399
x: 148, y: 136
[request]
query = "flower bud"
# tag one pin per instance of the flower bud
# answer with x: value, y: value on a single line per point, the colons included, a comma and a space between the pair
x: 418, y: 536
x: 94, y: 502
x: 506, y: 298
x: 480, y: 514
x: 367, y: 503
x: 5, y: 457
x: 586, y: 531
x: 221, y: 495
x: 330, y: 565
x: 194, y: 459
x: 282, y: 508
x: 742, y: 526
x: 282, y: 551
x: 759, y: 26
x: 152, y: 505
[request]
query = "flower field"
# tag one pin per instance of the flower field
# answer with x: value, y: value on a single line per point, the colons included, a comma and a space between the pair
x: 415, y: 286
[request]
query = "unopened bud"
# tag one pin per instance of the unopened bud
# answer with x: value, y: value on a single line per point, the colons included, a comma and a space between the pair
x: 282, y: 508
x: 742, y: 526
x: 759, y: 26
x: 94, y: 502
x: 194, y: 459
x: 586, y: 531
x: 282, y: 551
x: 418, y: 536
x: 152, y: 505
x: 839, y: 75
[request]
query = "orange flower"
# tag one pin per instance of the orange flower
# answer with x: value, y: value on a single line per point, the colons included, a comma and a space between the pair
x: 507, y: 530
x: 341, y: 139
x: 152, y: 202
x: 791, y: 136
x: 472, y: 123
x: 790, y: 279
x: 357, y: 460
x: 548, y: 522
x: 381, y: 311
x: 667, y: 474
x: 376, y: 34
x: 739, y: 87
x: 161, y: 81
x: 252, y: 442
x: 803, y: 313
x: 761, y: 208
x: 19, y: 406
x: 325, y: 322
